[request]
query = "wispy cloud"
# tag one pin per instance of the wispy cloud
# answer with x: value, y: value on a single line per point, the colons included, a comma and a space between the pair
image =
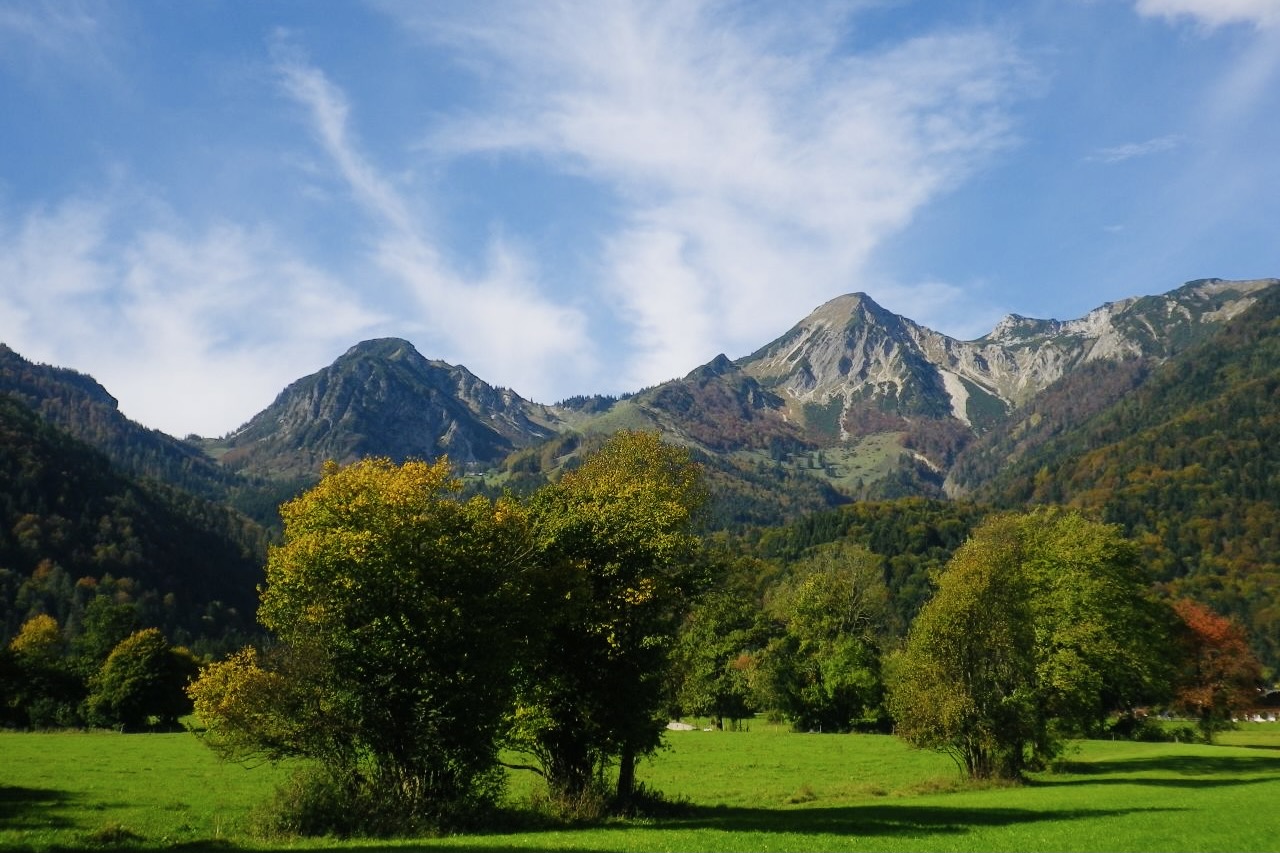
x: 1132, y: 150
x: 757, y: 168
x: 186, y: 329
x: 329, y: 114
x: 497, y: 323
x: 1215, y: 13
x: 44, y: 38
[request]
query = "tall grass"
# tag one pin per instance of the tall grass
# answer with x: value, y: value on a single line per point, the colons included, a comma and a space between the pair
x: 766, y: 789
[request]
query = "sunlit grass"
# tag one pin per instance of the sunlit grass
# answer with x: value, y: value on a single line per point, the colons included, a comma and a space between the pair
x: 766, y: 789
x: 67, y: 789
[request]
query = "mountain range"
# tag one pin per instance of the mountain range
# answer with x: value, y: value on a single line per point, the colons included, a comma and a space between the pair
x: 852, y: 403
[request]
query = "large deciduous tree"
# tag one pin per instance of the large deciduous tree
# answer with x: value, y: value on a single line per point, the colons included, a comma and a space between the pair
x: 1039, y: 627
x: 619, y: 534
x: 823, y: 669
x: 398, y: 608
x: 144, y: 678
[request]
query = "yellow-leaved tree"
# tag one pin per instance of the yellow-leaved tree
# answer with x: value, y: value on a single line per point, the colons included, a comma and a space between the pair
x: 399, y: 612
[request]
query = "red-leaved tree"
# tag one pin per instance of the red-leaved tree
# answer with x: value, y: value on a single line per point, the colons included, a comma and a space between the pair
x: 1221, y: 673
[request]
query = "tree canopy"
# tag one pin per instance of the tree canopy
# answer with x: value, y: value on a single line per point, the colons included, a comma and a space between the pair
x: 822, y: 669
x: 1040, y: 626
x: 619, y: 532
x: 399, y: 610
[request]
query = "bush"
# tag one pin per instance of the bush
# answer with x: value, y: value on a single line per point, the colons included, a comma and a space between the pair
x: 317, y: 801
x: 1152, y: 730
x: 590, y: 805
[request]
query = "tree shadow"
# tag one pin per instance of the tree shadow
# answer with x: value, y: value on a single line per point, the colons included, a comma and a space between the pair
x: 33, y: 808
x: 1186, y: 771
x: 900, y: 820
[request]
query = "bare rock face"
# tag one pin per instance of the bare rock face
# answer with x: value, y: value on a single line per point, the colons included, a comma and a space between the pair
x: 848, y: 371
x: 852, y: 350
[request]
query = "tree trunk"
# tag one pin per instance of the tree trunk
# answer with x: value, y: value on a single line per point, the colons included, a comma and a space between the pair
x: 626, y: 776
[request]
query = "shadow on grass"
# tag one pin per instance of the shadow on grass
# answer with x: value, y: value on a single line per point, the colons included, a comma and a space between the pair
x: 33, y: 808
x: 26, y: 807
x: 1266, y: 746
x: 866, y: 821
x: 1178, y: 771
x: 896, y: 820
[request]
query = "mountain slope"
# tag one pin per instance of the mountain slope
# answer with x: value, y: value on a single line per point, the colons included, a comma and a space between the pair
x: 871, y: 404
x: 853, y: 402
x: 1189, y: 464
x: 79, y: 405
x: 71, y: 523
x: 383, y: 398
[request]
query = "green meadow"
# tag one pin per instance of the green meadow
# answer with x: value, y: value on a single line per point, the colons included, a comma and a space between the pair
x: 766, y: 789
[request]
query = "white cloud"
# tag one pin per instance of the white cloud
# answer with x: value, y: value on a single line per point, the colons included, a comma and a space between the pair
x: 497, y: 324
x: 1131, y: 150
x: 1215, y: 13
x: 756, y: 169
x: 192, y: 333
x: 329, y: 113
x: 46, y: 39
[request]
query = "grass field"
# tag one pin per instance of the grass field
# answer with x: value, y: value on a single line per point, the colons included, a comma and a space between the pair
x: 766, y: 789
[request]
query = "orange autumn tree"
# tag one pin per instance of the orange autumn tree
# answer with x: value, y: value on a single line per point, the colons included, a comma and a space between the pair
x: 1222, y: 673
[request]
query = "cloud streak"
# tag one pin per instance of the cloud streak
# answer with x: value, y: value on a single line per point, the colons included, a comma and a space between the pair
x: 1215, y: 13
x: 757, y: 169
x: 497, y: 322
x: 1132, y: 150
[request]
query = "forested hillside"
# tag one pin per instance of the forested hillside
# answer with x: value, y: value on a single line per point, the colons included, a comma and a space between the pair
x: 73, y: 528
x: 913, y: 536
x: 1189, y: 464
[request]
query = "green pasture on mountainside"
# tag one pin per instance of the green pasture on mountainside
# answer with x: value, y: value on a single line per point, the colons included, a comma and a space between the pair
x: 765, y: 789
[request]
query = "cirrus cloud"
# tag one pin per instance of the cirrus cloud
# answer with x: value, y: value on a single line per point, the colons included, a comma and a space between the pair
x: 756, y: 167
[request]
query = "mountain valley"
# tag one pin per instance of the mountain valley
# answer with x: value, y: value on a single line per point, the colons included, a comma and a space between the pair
x: 852, y: 404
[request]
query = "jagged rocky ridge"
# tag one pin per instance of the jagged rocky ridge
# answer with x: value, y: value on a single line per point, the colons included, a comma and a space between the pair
x: 855, y: 400
x: 853, y: 350
x: 849, y: 371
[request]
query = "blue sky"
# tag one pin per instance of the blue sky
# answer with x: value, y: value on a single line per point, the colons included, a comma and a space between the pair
x: 201, y: 202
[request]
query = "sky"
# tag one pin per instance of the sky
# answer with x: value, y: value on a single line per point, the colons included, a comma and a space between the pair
x: 202, y: 202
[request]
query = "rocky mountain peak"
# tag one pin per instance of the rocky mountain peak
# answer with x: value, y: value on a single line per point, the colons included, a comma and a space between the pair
x: 1014, y: 328
x: 385, y: 349
x: 854, y: 351
x: 383, y: 397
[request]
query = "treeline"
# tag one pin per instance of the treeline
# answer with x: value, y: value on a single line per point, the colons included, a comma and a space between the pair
x: 421, y: 640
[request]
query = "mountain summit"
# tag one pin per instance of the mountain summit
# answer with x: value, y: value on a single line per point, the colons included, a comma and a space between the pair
x: 853, y: 351
x: 383, y: 398
x: 882, y: 398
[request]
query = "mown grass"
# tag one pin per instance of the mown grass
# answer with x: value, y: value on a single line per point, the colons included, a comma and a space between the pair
x: 766, y: 789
